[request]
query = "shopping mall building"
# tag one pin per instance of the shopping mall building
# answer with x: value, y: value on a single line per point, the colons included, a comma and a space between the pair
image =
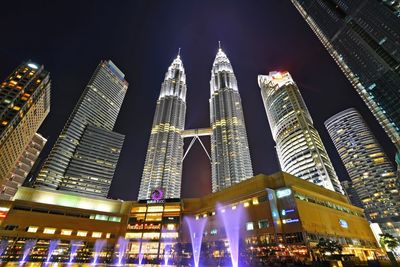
x: 284, y: 216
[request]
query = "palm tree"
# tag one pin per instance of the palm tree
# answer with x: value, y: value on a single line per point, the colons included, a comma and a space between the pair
x: 389, y: 242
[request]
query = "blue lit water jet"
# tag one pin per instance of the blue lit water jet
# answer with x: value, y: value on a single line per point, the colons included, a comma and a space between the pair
x: 29, y: 244
x: 196, y: 230
x: 98, y: 247
x: 232, y: 219
x: 75, y: 244
x: 121, y: 249
x: 53, y: 244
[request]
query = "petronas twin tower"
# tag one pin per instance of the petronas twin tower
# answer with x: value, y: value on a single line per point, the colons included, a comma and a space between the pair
x: 230, y: 156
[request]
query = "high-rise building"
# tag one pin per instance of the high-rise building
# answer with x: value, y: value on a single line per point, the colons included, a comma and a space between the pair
x: 163, y: 165
x: 363, y: 38
x: 24, y: 104
x: 299, y: 147
x: 351, y: 193
x: 372, y: 174
x: 230, y: 155
x: 82, y: 160
x: 9, y: 186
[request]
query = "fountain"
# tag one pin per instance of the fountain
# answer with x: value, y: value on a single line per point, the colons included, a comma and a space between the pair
x: 232, y: 219
x: 167, y: 251
x: 121, y: 249
x: 98, y: 247
x: 53, y: 244
x: 3, y: 246
x: 29, y: 244
x: 196, y: 229
x: 140, y: 255
x: 75, y: 244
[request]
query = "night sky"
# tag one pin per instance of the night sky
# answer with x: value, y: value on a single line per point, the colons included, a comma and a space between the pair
x: 142, y: 38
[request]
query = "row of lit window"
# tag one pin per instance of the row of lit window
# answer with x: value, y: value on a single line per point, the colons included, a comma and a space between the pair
x: 151, y: 235
x: 245, y: 204
x: 157, y: 208
x: 66, y: 232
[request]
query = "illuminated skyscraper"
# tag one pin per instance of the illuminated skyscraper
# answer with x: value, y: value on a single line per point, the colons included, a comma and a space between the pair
x: 24, y: 104
x: 85, y: 155
x: 372, y: 174
x: 10, y: 185
x: 363, y: 38
x: 163, y: 165
x: 299, y: 147
x: 231, y: 162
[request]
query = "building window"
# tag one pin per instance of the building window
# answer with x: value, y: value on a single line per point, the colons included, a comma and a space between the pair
x: 155, y: 209
x: 82, y: 233
x: 262, y: 224
x: 108, y: 235
x: 49, y: 231
x: 32, y: 229
x: 249, y: 226
x: 114, y: 219
x: 255, y: 201
x: 132, y: 235
x: 97, y: 234
x: 66, y: 231
x: 170, y: 226
x: 213, y: 232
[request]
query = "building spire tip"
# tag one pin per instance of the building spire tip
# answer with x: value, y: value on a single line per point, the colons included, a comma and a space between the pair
x: 219, y: 45
x: 179, y: 52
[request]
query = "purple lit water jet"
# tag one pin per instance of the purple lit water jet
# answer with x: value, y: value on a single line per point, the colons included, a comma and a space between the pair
x: 75, y: 244
x: 53, y: 244
x: 29, y: 244
x: 98, y: 247
x: 3, y: 246
x: 167, y: 251
x: 140, y: 255
x: 121, y: 249
x: 233, y: 219
x: 196, y: 230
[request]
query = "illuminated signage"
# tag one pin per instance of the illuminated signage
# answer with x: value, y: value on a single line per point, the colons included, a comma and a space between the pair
x: 280, y: 193
x: 284, y: 212
x: 343, y: 223
x: 157, y: 195
x: 287, y: 221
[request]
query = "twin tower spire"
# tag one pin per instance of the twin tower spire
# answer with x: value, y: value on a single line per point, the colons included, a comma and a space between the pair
x: 230, y: 156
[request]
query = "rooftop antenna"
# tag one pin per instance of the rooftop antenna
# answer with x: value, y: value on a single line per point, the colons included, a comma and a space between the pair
x: 219, y: 44
x: 179, y: 52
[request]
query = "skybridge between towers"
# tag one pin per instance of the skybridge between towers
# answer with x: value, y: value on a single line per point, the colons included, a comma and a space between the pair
x: 195, y: 134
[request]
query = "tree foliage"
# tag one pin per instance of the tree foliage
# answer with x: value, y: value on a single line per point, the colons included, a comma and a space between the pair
x: 389, y: 241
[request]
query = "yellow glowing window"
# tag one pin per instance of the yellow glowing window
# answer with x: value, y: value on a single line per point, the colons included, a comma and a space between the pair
x: 13, y: 82
x: 18, y: 87
x: 170, y: 226
x: 379, y: 160
x: 246, y: 204
x: 138, y: 209
x: 108, y: 235
x: 133, y: 235
x: 4, y: 123
x: 155, y: 209
x: 32, y: 229
x: 151, y: 235
x: 97, y: 234
x: 16, y: 108
x: 154, y: 217
x: 49, y: 231
x: 172, y: 208
x: 82, y: 233
x: 66, y: 231
x: 255, y: 201
x: 169, y: 235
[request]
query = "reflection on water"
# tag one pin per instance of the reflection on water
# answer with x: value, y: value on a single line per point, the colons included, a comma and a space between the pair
x: 58, y: 264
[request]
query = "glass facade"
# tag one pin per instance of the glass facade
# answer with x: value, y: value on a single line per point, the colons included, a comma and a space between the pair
x: 24, y: 104
x: 363, y: 39
x: 98, y: 106
x: 372, y: 174
x: 230, y: 155
x: 299, y: 147
x: 163, y: 165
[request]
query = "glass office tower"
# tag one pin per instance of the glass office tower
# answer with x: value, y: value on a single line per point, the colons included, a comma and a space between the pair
x: 299, y: 147
x: 82, y: 160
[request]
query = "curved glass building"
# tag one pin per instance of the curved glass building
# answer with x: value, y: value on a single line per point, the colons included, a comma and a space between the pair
x: 372, y: 174
x: 299, y: 147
